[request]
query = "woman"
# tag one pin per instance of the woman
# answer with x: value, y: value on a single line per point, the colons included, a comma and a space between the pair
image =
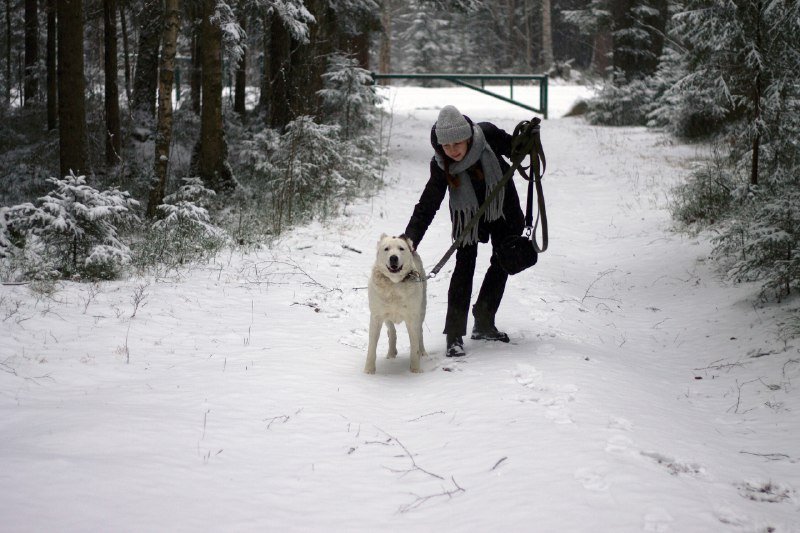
x: 467, y: 163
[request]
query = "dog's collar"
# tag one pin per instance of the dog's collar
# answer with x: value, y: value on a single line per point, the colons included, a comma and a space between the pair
x: 413, y: 276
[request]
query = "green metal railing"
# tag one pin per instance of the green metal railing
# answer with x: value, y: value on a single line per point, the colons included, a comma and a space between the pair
x: 465, y: 79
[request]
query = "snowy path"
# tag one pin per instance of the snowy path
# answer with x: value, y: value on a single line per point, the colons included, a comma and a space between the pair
x: 640, y: 393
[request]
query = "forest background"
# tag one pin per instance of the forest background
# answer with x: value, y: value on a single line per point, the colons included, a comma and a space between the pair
x: 144, y: 135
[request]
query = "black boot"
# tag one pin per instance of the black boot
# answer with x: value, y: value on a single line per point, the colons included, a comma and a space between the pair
x: 455, y: 346
x: 484, y: 328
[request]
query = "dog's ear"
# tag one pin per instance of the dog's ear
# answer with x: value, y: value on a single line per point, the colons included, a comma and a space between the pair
x: 409, y: 241
x: 383, y: 236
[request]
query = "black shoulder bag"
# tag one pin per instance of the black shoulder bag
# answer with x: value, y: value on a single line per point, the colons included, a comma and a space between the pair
x: 518, y: 252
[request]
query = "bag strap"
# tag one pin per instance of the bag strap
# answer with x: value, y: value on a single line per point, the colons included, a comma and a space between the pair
x: 525, y: 142
x: 539, y: 165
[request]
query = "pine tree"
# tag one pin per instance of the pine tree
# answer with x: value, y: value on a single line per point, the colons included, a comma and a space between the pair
x: 424, y: 48
x: 349, y: 97
x: 741, y: 58
x: 73, y: 228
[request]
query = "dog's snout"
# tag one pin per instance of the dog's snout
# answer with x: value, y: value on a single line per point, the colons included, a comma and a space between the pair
x: 393, y: 260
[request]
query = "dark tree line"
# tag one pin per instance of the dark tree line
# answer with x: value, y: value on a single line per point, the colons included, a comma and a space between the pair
x: 280, y: 46
x: 62, y: 55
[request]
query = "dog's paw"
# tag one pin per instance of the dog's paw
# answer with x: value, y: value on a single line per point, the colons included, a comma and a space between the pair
x: 391, y: 354
x: 416, y: 370
x: 369, y: 369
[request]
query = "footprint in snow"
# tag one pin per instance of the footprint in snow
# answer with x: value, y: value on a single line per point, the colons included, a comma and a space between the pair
x: 657, y: 519
x: 618, y: 444
x: 545, y: 349
x: 555, y: 398
x: 355, y: 338
x: 526, y: 375
x: 592, y: 479
x: 620, y: 423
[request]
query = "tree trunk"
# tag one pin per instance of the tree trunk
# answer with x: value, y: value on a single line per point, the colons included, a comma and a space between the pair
x: 145, y: 81
x: 360, y: 46
x: 527, y: 15
x: 8, y: 52
x: 637, y: 53
x: 547, y: 36
x: 757, y: 90
x: 169, y: 42
x: 31, y: 51
x: 623, y: 59
x: 196, y: 78
x: 52, y: 78
x: 71, y: 88
x: 385, y: 53
x: 112, y: 86
x: 212, y: 165
x: 600, y: 53
x: 126, y: 52
x: 266, y: 91
x: 280, y: 40
x: 240, y: 86
x: 308, y: 60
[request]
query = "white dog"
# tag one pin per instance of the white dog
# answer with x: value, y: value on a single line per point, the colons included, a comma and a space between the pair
x: 397, y: 293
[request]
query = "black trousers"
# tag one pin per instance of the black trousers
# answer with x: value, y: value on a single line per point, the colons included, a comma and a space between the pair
x: 492, y: 288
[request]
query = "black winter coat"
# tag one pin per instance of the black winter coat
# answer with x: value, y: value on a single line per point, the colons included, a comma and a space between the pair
x: 431, y: 198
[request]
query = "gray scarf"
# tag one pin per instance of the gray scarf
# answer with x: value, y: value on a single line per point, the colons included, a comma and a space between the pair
x: 463, y: 202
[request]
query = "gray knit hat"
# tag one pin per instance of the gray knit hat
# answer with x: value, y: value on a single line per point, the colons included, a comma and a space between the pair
x: 451, y: 126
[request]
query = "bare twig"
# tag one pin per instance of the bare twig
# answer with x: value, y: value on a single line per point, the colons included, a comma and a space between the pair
x: 498, y: 463
x: 795, y: 361
x: 725, y: 366
x: 739, y: 386
x: 5, y: 368
x: 250, y: 327
x: 592, y: 284
x: 92, y: 292
x: 414, y: 465
x: 127, y: 350
x: 205, y: 421
x: 429, y: 414
x: 769, y: 456
x: 282, y: 418
x: 295, y: 266
x: 422, y: 499
x: 139, y: 296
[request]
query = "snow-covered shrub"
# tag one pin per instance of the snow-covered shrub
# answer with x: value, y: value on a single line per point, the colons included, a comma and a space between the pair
x: 306, y: 180
x: 621, y: 103
x: 684, y: 112
x: 252, y: 222
x: 733, y: 74
x: 5, y: 232
x: 764, y: 238
x: 308, y: 172
x: 71, y: 230
x: 707, y: 194
x: 349, y: 98
x: 183, y: 233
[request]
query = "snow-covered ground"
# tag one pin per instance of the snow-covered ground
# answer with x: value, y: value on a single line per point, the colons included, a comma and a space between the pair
x: 640, y: 393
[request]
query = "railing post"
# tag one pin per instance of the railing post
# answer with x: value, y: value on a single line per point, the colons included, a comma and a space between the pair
x: 543, y: 95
